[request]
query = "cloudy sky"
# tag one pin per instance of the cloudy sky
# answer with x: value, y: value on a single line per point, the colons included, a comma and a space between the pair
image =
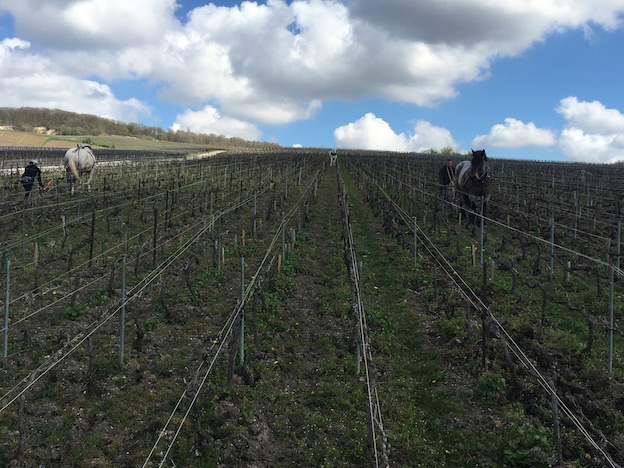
x: 529, y: 79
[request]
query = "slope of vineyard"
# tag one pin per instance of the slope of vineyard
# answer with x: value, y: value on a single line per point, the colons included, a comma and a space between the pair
x: 194, y: 245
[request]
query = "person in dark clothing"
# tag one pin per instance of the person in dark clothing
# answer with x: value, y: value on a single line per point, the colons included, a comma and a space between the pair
x: 31, y: 173
x: 446, y: 177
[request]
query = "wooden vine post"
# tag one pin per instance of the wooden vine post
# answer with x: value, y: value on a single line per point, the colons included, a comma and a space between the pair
x: 92, y: 238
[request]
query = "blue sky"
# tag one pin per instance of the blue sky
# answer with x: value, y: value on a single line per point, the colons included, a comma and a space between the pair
x: 523, y: 79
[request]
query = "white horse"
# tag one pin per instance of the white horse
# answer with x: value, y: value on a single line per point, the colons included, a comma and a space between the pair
x: 332, y: 157
x: 79, y: 161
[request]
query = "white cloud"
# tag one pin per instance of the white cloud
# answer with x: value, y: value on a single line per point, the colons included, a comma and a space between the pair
x: 275, y: 62
x: 209, y: 120
x: 93, y: 24
x: 373, y: 133
x: 258, y: 60
x: 37, y: 84
x: 297, y: 145
x: 427, y: 136
x: 591, y: 116
x: 370, y: 132
x: 515, y: 133
x: 594, y: 133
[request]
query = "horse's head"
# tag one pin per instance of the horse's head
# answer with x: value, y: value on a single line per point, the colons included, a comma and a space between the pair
x: 478, y: 165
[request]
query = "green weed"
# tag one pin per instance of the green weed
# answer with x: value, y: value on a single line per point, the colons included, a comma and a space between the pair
x: 452, y: 328
x: 72, y: 312
x: 490, y: 385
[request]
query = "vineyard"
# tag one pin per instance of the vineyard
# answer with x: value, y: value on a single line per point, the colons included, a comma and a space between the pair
x: 271, y: 309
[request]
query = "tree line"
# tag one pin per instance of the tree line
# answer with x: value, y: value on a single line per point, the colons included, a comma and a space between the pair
x: 62, y: 122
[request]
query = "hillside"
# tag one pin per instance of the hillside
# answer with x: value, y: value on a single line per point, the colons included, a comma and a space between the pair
x: 26, y: 126
x: 31, y: 139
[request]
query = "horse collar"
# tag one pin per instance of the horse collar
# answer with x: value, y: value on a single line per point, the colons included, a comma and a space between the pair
x: 483, y: 178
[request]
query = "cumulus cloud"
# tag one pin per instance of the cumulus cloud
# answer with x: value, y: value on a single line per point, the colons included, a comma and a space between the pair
x: 275, y: 62
x: 593, y: 132
x: 92, y: 24
x: 209, y: 120
x: 373, y: 133
x: 591, y: 116
x: 506, y: 27
x: 515, y: 133
x: 370, y: 132
x: 305, y: 50
x: 427, y: 136
x: 38, y: 85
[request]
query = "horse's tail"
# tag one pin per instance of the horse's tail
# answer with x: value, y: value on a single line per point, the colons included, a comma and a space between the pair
x: 71, y: 162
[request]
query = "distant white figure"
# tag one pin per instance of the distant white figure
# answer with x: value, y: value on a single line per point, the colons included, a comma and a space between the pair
x: 79, y: 161
x: 332, y: 157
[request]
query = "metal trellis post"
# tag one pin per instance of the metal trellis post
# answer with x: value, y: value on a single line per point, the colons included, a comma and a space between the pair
x: 123, y: 310
x: 359, y: 327
x: 283, y: 236
x: 482, y: 222
x: 610, y: 357
x: 552, y: 247
x: 618, y: 248
x: 6, y: 310
x: 415, y: 242
x: 242, y: 331
x: 255, y: 211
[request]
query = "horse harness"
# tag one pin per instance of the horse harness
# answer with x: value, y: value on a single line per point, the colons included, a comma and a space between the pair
x: 450, y: 174
x: 480, y: 185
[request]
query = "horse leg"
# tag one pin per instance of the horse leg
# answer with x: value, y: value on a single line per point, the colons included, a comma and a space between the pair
x: 89, y: 180
x: 471, y: 209
x: 465, y: 205
x: 69, y: 182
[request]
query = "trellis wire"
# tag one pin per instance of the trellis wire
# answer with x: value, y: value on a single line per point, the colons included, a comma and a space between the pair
x: 456, y: 278
x: 225, y: 331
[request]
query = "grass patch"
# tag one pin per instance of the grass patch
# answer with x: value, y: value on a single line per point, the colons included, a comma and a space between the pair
x: 426, y: 411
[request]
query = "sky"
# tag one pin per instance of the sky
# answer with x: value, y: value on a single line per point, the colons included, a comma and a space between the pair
x: 524, y: 79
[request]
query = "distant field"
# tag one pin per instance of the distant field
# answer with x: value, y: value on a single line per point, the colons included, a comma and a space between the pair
x: 13, y: 138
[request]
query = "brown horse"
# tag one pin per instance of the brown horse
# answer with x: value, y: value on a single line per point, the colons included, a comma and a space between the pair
x: 473, y: 183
